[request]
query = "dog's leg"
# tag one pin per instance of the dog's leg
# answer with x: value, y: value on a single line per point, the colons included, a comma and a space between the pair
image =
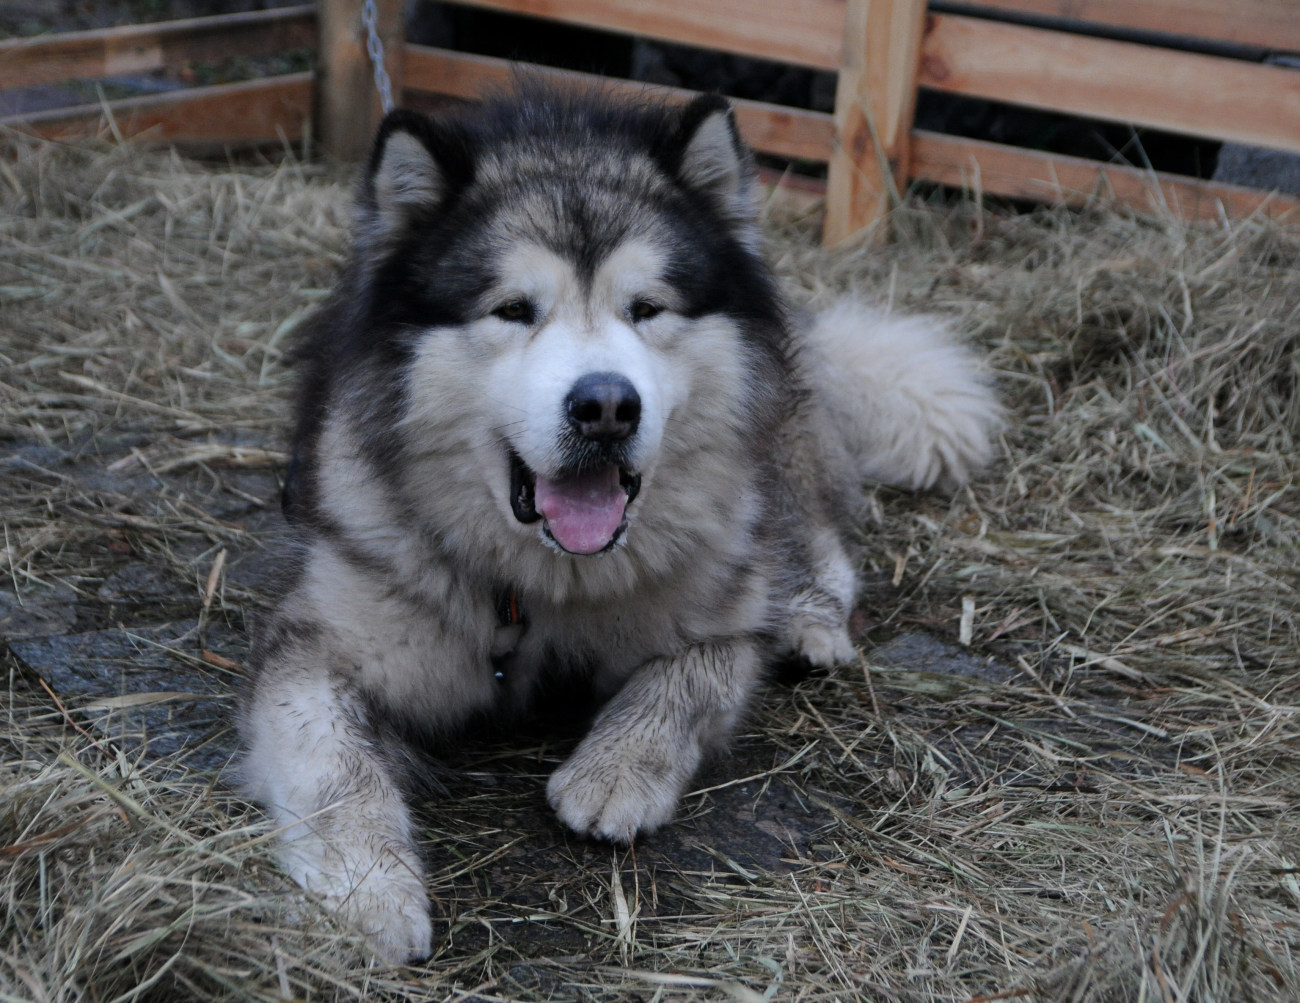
x: 315, y: 762
x: 626, y: 775
x: 819, y: 609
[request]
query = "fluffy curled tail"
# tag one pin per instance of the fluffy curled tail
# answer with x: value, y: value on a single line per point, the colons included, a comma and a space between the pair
x: 909, y: 401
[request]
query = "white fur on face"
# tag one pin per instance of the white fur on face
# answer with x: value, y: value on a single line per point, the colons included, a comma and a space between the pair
x: 579, y: 331
x: 497, y: 384
x: 477, y: 391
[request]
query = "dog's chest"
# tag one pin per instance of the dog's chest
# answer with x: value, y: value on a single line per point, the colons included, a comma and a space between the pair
x: 532, y: 640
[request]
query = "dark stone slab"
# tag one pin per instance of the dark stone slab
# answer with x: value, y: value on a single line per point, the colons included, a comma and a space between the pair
x: 40, y: 612
x: 917, y: 652
x: 137, y: 583
x: 118, y: 641
x: 145, y: 689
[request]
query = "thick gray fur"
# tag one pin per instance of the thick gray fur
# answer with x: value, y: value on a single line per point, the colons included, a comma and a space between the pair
x: 499, y: 258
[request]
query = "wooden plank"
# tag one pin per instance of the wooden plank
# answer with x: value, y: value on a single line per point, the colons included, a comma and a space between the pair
x: 806, y: 32
x: 1207, y: 96
x: 141, y: 48
x: 250, y: 113
x: 874, y: 103
x: 786, y: 132
x: 991, y: 168
x: 348, y: 109
x: 1269, y: 24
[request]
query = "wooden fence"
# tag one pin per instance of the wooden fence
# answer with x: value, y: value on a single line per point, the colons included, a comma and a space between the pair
x: 882, y: 51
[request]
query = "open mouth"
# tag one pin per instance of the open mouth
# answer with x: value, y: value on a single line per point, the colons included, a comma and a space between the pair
x: 584, y: 510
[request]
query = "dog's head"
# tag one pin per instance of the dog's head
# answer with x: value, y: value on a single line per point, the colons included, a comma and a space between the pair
x: 572, y: 288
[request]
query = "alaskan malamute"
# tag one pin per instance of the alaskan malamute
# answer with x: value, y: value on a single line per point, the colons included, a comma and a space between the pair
x: 557, y: 425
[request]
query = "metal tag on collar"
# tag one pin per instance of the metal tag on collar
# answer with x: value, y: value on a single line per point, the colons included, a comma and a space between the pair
x: 510, y: 612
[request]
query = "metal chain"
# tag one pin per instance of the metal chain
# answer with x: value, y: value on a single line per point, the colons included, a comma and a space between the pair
x: 375, y: 48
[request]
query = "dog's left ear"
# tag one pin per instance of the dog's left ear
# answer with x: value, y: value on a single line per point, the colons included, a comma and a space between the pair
x: 715, y: 162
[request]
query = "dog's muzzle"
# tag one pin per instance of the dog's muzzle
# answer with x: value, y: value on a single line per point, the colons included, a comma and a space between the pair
x: 585, y: 504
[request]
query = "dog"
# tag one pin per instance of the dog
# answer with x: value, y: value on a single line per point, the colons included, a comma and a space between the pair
x: 557, y: 426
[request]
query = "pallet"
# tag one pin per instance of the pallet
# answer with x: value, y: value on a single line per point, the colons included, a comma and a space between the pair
x: 1053, y: 56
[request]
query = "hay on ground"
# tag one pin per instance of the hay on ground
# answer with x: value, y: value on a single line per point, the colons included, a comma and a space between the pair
x: 1106, y: 806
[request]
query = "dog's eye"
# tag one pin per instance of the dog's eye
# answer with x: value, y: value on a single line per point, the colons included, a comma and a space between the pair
x: 644, y: 310
x: 517, y: 311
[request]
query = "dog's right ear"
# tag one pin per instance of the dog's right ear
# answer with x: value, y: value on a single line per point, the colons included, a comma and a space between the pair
x: 412, y: 169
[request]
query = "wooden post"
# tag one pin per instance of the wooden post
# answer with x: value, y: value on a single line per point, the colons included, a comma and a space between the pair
x: 874, y: 104
x: 347, y: 106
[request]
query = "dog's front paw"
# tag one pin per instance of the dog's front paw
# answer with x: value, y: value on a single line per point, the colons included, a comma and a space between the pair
x: 382, y: 899
x: 616, y: 793
x: 823, y: 645
x: 393, y: 915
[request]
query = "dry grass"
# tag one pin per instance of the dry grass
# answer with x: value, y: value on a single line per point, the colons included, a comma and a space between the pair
x: 1110, y: 812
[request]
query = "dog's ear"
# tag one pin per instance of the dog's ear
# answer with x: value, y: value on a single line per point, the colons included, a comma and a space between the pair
x: 714, y: 161
x: 411, y: 171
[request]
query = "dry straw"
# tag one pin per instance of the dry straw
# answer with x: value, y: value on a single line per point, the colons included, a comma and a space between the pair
x: 1102, y: 804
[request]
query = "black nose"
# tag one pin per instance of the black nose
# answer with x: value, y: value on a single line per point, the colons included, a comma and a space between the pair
x: 603, y: 407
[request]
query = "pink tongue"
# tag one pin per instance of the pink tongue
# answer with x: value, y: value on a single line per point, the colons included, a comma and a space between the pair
x: 583, y: 511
